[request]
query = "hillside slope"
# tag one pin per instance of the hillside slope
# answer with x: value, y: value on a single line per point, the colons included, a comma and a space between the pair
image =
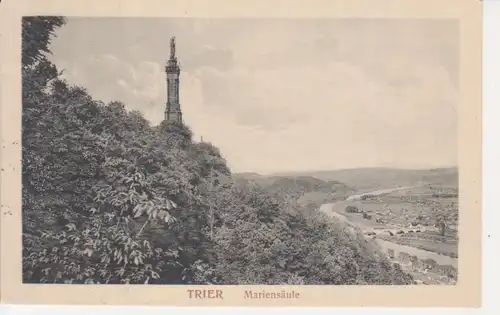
x: 304, y: 189
x: 109, y: 199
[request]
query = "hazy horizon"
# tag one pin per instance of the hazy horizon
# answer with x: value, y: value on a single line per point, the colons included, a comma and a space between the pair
x: 284, y: 95
x: 444, y: 167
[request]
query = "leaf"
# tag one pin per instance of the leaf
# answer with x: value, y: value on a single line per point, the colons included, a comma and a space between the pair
x: 121, y: 272
x: 154, y: 214
x: 138, y: 210
x: 168, y: 204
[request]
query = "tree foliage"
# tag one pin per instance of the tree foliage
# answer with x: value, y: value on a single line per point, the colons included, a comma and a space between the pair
x: 36, y: 33
x: 109, y: 199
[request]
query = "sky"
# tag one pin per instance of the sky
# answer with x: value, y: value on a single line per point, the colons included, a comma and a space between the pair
x: 279, y: 95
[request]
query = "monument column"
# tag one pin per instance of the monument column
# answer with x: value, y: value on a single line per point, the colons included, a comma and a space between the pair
x: 173, y: 109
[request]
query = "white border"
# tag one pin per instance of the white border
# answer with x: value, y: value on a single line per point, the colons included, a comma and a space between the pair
x: 491, y: 153
x: 491, y: 193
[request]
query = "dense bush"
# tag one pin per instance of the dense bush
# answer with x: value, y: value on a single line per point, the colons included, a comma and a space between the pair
x: 351, y: 209
x: 107, y: 198
x: 367, y: 196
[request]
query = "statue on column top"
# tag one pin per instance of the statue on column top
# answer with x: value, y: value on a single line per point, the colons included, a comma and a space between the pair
x: 172, y: 48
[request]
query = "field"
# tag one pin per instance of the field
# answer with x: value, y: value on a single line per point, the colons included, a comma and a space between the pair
x: 408, y: 217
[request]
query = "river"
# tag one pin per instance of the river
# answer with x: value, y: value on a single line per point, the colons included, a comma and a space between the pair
x: 420, y: 253
x: 333, y: 209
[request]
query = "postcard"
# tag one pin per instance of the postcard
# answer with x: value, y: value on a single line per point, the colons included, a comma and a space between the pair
x: 241, y: 153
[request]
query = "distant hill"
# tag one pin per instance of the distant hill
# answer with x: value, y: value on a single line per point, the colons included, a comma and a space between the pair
x: 307, y: 189
x: 295, y: 183
x: 363, y: 179
x: 305, y: 184
x: 248, y: 175
x: 376, y: 178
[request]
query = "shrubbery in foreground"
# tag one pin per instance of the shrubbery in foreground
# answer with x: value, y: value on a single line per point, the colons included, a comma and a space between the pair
x: 107, y: 198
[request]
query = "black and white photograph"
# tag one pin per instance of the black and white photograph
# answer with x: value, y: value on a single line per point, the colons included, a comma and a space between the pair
x: 225, y: 151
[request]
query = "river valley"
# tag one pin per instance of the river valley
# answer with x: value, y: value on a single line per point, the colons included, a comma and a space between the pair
x: 337, y: 210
